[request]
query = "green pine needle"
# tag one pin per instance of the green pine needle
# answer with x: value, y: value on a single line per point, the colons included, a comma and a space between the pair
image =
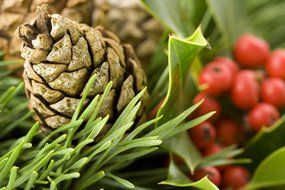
x: 56, y: 161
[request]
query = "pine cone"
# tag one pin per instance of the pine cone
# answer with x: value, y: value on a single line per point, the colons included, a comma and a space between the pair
x: 16, y: 12
x: 132, y: 23
x: 61, y: 55
x: 129, y: 20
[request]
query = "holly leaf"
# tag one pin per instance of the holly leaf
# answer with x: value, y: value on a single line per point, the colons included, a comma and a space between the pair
x: 270, y: 173
x: 181, y: 17
x: 182, y: 53
x: 264, y: 143
x: 178, y: 179
x: 222, y: 21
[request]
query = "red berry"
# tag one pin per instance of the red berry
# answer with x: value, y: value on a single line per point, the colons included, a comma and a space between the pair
x: 245, y: 90
x: 209, y: 104
x: 203, y: 135
x: 251, y: 51
x: 226, y: 67
x: 212, y: 173
x: 275, y: 66
x: 212, y: 149
x: 235, y: 177
x: 263, y: 114
x: 229, y: 63
x: 273, y: 92
x: 228, y: 132
x: 216, y: 77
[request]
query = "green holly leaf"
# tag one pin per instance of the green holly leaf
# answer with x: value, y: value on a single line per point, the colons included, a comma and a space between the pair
x: 182, y: 53
x: 270, y: 173
x: 222, y: 21
x: 181, y: 91
x: 266, y: 141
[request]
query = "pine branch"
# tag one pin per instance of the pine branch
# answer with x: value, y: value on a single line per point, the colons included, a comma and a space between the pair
x: 74, y: 158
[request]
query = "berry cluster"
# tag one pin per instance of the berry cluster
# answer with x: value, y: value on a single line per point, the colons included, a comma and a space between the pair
x: 252, y: 84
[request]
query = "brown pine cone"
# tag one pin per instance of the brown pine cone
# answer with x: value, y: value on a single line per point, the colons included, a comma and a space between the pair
x: 61, y: 55
x: 16, y: 12
x: 130, y: 21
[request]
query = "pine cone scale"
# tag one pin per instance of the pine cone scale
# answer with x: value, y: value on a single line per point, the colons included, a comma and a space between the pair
x: 49, y: 72
x: 30, y: 73
x: 80, y: 56
x: 49, y: 95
